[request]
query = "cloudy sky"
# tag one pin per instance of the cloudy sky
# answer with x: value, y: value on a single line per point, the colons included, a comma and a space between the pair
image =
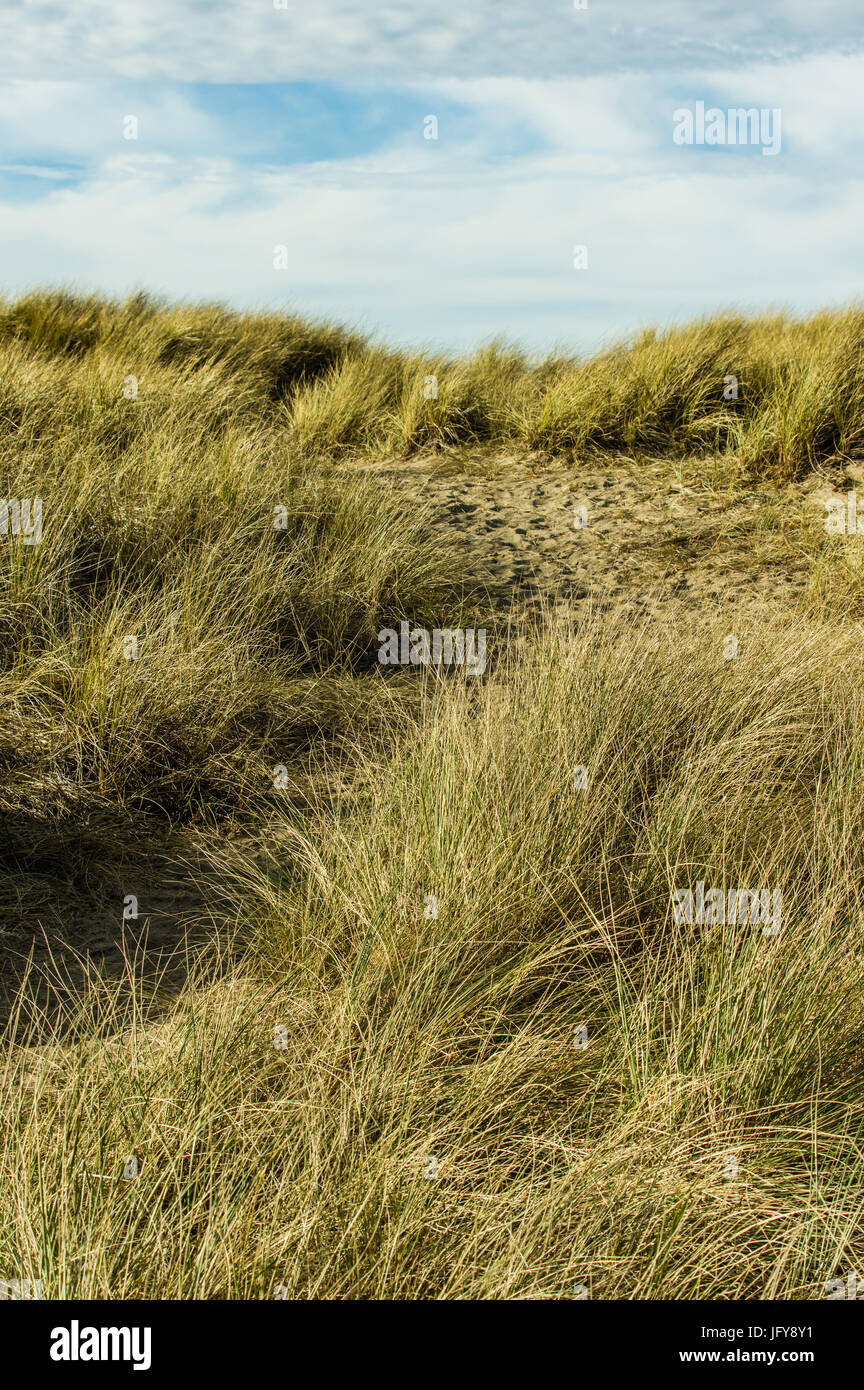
x: 304, y: 127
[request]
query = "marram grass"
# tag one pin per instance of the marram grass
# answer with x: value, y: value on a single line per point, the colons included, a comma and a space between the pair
x: 775, y: 393
x: 450, y: 1038
x: 376, y: 1101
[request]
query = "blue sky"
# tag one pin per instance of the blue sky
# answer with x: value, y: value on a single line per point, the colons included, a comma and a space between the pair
x: 304, y: 127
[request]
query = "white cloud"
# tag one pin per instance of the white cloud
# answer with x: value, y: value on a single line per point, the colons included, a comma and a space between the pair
x: 250, y: 40
x: 454, y: 243
x: 84, y: 121
x: 35, y: 171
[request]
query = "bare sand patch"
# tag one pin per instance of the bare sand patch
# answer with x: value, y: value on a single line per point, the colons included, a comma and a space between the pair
x: 648, y: 539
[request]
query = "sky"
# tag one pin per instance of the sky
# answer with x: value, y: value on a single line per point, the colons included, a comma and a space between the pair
x: 305, y: 127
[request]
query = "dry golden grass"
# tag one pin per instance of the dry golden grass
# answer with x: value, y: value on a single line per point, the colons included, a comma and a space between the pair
x: 372, y: 1089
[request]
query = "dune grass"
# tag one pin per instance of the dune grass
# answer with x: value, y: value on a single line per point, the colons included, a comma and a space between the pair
x: 246, y: 579
x: 385, y: 1099
x: 369, y: 1084
x: 797, y: 396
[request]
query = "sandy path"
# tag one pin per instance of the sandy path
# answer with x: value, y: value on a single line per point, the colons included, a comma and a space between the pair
x: 649, y: 542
